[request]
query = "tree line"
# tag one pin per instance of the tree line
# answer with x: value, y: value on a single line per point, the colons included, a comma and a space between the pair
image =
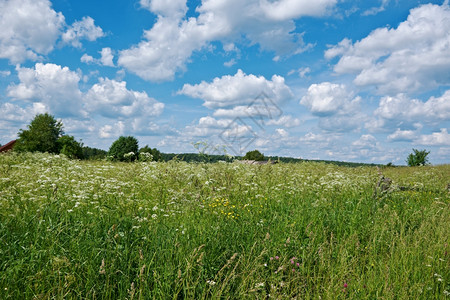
x: 46, y: 134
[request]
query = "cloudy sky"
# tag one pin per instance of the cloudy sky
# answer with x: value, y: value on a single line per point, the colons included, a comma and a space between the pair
x: 362, y: 80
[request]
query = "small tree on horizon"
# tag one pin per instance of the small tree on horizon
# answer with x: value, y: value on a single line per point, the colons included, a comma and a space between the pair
x: 156, y: 154
x: 41, y: 136
x: 418, y: 158
x: 254, y: 155
x: 124, y: 149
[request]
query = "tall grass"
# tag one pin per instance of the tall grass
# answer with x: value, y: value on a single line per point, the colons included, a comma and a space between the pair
x: 101, y: 230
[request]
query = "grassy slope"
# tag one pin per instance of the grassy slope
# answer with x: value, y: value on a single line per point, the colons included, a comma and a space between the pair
x: 71, y: 229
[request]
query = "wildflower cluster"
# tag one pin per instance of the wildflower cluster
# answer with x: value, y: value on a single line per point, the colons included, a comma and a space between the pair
x: 223, y: 207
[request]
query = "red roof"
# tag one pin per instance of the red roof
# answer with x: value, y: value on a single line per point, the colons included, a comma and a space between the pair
x: 8, y: 146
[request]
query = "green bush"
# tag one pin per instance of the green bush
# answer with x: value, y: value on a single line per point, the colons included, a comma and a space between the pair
x: 418, y: 158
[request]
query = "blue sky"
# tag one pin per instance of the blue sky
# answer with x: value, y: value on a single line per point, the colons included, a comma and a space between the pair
x: 362, y: 81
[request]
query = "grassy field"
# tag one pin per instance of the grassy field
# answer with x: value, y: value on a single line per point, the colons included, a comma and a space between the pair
x: 101, y: 230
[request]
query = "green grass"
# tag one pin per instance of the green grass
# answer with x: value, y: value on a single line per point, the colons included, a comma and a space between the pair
x: 100, y: 230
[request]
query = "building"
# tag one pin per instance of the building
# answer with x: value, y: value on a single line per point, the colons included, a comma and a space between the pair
x: 8, y: 146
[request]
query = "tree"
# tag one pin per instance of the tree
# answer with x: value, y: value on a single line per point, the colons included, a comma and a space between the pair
x: 254, y: 155
x: 41, y: 136
x: 156, y: 155
x: 93, y: 153
x: 124, y: 149
x: 418, y: 158
x: 70, y: 147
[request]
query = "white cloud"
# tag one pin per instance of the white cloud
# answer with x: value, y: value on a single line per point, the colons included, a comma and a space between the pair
x: 29, y: 28
x: 327, y: 99
x: 172, y: 8
x: 55, y: 89
x: 230, y: 63
x: 441, y: 138
x: 282, y: 132
x: 366, y: 141
x: 292, y: 9
x: 169, y: 44
x: 109, y: 131
x: 301, y: 72
x: 5, y: 73
x: 240, y: 89
x: 84, y: 29
x: 107, y: 57
x: 401, y: 108
x: 87, y: 59
x: 54, y: 86
x: 286, y: 121
x: 13, y: 114
x: 402, y: 136
x: 375, y: 10
x: 112, y: 99
x: 413, y: 56
x: 312, y: 138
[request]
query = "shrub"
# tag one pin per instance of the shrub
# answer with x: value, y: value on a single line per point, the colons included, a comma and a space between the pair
x: 418, y: 158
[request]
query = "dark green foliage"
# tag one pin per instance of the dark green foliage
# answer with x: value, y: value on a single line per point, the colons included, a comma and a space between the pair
x: 124, y: 149
x: 153, y: 151
x: 254, y: 155
x: 93, y: 153
x: 418, y: 158
x: 70, y: 147
x: 41, y: 136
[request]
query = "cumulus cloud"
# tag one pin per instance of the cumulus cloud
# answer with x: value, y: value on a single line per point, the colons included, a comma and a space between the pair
x: 240, y: 89
x: 84, y: 29
x: 402, y: 136
x: 441, y: 138
x: 327, y: 99
x: 112, y: 99
x: 30, y: 31
x: 110, y: 131
x: 167, y: 46
x: 55, y: 89
x: 31, y: 28
x: 106, y: 58
x: 410, y: 57
x: 54, y: 86
x: 12, y: 114
x: 402, y: 108
x: 366, y: 141
x: 285, y: 121
x: 290, y: 9
x: 336, y: 106
x: 87, y: 59
x: 173, y: 8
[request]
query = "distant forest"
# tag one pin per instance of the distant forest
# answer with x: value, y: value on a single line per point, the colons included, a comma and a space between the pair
x: 98, y: 154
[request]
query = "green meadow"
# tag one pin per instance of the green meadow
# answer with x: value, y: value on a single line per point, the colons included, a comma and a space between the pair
x: 174, y: 230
